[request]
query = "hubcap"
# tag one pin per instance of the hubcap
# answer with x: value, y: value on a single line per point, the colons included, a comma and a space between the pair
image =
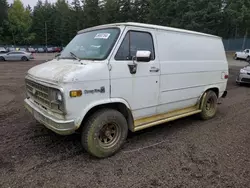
x: 210, y: 106
x: 109, y: 134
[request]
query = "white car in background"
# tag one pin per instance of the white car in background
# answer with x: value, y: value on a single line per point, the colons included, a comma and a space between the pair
x: 3, y: 50
x: 243, y: 55
x: 16, y: 56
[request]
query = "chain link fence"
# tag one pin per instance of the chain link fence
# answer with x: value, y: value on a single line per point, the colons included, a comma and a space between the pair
x: 236, y: 44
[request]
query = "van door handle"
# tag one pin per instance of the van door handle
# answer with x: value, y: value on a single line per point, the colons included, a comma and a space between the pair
x: 154, y: 69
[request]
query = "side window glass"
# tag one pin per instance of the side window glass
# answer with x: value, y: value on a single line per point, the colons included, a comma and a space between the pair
x: 133, y: 42
x: 123, y: 52
x: 247, y: 51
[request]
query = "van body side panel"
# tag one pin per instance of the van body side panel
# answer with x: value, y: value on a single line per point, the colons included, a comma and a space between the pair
x: 190, y: 64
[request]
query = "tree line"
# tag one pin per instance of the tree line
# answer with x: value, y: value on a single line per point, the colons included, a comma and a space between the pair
x: 56, y: 23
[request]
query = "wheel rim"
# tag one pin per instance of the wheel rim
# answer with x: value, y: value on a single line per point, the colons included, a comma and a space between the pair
x: 109, y: 135
x: 24, y: 58
x: 210, y: 106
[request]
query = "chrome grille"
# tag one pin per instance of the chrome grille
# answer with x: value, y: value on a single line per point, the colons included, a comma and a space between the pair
x: 43, y: 95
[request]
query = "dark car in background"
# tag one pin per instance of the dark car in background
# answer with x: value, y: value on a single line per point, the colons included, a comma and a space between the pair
x: 57, y: 49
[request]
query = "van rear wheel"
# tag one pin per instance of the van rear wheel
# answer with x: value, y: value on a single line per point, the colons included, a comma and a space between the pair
x: 209, y: 106
x: 104, y: 133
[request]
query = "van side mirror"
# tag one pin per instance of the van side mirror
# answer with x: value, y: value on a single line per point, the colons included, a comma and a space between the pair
x: 143, y: 56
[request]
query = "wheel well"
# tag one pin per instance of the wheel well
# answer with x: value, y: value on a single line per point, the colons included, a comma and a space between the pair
x: 122, y: 108
x: 216, y: 90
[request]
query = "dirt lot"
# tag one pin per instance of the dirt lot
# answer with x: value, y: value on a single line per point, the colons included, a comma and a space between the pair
x: 184, y: 153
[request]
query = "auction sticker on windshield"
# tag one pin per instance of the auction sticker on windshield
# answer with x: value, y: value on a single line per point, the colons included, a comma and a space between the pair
x: 102, y: 35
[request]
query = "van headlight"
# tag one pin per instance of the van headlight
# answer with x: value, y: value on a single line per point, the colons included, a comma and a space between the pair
x: 59, y: 96
x: 243, y: 71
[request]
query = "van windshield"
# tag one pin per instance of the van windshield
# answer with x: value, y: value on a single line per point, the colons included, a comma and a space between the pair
x: 91, y: 45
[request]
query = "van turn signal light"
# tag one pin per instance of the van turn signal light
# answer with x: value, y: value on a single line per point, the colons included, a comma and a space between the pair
x: 75, y: 93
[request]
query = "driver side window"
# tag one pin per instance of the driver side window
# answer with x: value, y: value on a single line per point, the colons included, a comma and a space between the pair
x: 133, y: 42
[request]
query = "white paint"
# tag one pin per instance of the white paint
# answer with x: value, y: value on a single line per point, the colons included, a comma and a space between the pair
x: 189, y: 63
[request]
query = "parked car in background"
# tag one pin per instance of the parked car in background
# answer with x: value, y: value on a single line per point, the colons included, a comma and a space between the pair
x: 32, y: 50
x: 57, y: 49
x: 3, y: 50
x: 245, y: 55
x: 22, y: 49
x: 40, y: 50
x: 11, y: 49
x: 16, y: 56
x: 50, y: 49
x: 244, y: 76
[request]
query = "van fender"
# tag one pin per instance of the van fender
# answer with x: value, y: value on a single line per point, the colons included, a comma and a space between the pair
x: 97, y: 103
x: 203, y: 94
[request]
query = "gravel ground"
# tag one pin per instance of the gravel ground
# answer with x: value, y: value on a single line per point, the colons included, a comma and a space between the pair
x: 184, y: 153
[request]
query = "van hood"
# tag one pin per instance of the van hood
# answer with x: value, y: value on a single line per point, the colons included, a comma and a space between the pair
x: 62, y: 71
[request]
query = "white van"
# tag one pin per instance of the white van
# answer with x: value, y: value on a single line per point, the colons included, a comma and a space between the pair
x: 127, y: 76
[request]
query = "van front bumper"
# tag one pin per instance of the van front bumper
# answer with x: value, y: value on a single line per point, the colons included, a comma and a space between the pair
x: 62, y: 127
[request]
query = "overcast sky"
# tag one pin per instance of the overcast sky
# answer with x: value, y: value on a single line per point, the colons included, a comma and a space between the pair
x: 32, y: 3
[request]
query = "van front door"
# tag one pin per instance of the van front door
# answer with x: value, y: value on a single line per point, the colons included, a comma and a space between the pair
x: 139, y: 89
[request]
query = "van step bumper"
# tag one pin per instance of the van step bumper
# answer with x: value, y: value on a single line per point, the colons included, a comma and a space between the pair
x: 62, y: 127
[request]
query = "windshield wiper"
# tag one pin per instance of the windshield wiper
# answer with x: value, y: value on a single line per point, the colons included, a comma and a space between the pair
x: 74, y: 56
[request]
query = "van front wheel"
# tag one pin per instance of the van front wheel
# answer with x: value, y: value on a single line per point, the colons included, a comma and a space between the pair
x: 209, y: 106
x: 104, y: 133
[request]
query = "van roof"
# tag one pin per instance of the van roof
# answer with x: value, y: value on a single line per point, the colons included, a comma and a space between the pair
x: 151, y: 26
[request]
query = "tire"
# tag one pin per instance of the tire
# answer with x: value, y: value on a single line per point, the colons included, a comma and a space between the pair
x: 209, y: 106
x: 248, y: 59
x: 24, y: 58
x: 238, y: 83
x: 97, y: 133
x: 2, y: 58
x: 235, y: 57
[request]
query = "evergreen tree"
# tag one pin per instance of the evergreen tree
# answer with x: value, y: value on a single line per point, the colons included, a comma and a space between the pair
x: 91, y: 13
x: 20, y: 23
x: 110, y: 11
x: 4, y: 38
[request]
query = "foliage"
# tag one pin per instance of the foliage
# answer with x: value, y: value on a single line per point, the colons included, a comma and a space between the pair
x: 20, y: 23
x: 56, y: 23
x: 3, y: 20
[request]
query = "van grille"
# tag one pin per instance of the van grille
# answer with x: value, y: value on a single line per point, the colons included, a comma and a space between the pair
x: 43, y: 95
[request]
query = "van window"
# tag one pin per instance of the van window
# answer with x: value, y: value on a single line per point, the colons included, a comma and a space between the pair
x: 91, y: 45
x: 133, y: 42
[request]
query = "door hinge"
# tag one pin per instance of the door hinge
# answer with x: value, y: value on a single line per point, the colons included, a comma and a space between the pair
x: 110, y: 67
